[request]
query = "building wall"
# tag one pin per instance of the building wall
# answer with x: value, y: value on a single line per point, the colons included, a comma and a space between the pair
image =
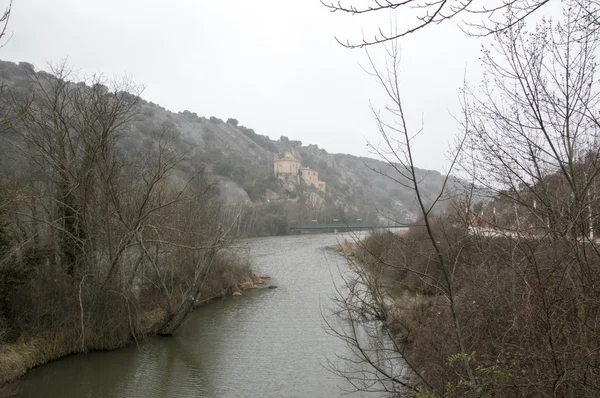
x: 308, y: 175
x: 290, y: 165
x: 286, y: 165
x: 311, y: 177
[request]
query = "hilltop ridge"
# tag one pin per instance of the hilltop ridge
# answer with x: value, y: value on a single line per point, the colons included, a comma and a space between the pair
x: 242, y: 160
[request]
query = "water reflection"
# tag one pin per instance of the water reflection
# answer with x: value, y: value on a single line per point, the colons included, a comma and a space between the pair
x: 267, y: 343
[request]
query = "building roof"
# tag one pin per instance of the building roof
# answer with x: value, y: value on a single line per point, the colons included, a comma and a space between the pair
x: 288, y: 156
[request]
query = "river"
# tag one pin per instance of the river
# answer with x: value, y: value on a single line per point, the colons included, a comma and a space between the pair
x: 266, y: 343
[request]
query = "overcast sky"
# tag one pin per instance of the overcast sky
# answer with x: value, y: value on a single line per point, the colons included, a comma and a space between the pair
x: 272, y: 64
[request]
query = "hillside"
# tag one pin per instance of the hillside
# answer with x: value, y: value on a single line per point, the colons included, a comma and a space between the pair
x: 242, y: 160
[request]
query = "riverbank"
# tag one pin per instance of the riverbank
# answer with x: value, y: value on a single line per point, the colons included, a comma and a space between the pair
x: 31, y: 351
x: 475, y: 312
x: 266, y: 343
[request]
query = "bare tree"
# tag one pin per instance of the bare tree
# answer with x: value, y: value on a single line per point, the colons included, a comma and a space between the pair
x: 479, y: 17
x: 127, y: 239
x: 499, y: 290
x: 534, y: 147
x: 397, y: 151
x: 70, y: 130
x: 4, y: 18
x: 534, y: 126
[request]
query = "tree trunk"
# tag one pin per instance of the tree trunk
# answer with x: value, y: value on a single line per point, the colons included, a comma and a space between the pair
x: 177, y: 318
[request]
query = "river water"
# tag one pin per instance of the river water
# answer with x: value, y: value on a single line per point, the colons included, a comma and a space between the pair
x: 266, y: 343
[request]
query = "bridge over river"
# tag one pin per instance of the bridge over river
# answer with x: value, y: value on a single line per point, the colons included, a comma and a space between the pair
x: 344, y: 227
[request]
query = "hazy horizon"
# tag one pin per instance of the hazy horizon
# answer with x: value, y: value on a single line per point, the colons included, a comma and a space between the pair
x: 274, y: 67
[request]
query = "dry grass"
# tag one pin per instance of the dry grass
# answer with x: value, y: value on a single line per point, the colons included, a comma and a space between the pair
x: 9, y: 390
x: 28, y: 353
x: 529, y: 309
x: 228, y: 274
x: 15, y: 359
x: 116, y: 320
x: 348, y: 248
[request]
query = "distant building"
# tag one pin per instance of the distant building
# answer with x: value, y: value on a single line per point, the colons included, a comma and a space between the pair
x: 288, y: 164
x: 311, y: 177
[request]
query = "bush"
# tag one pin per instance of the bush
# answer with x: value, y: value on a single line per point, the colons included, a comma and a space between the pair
x: 222, y: 168
x: 191, y: 115
x: 260, y: 140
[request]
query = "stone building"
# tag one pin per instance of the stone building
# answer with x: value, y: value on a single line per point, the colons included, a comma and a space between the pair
x: 311, y: 177
x: 286, y: 165
x: 289, y: 165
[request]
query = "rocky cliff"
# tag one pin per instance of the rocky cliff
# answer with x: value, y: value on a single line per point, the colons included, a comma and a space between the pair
x: 357, y: 187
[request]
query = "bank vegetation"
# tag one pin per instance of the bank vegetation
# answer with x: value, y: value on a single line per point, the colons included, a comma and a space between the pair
x: 494, y: 291
x: 99, y: 247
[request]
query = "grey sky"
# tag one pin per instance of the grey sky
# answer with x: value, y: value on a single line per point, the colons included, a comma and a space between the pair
x: 272, y: 64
